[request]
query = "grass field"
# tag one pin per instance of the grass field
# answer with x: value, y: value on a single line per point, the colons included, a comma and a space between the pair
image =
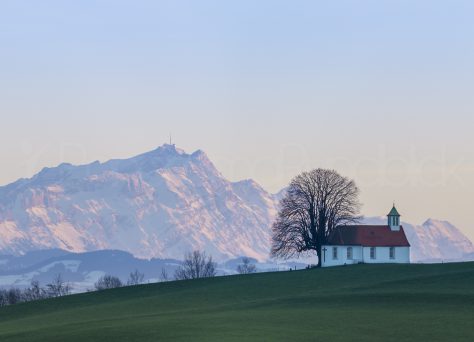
x: 356, y: 303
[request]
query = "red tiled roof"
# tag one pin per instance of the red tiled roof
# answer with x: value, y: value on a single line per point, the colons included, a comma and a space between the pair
x: 371, y: 236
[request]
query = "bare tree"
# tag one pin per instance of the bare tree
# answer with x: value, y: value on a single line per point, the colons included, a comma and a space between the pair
x: 107, y: 282
x: 11, y: 296
x: 58, y: 287
x: 196, y: 265
x: 164, y: 275
x: 3, y: 298
x: 135, y: 278
x: 315, y: 203
x: 14, y: 296
x: 34, y: 292
x: 246, y: 267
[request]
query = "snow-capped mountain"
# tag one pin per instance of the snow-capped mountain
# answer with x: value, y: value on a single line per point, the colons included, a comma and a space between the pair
x: 434, y: 241
x: 162, y: 204
x: 158, y: 204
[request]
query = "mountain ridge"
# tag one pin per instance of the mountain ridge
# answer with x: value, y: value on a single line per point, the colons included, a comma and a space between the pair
x: 160, y: 204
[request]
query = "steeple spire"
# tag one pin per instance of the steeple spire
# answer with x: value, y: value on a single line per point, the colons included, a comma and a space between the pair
x: 394, y: 218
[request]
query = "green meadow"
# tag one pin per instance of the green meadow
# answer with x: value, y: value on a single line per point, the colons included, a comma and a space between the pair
x: 351, y: 303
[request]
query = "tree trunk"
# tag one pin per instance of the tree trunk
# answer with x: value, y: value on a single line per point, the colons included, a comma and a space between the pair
x: 319, y: 254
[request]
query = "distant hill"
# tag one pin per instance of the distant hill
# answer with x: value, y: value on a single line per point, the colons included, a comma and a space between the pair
x: 161, y: 204
x: 354, y: 303
x: 82, y: 270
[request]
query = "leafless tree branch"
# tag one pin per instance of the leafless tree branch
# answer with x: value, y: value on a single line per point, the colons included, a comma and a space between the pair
x: 315, y: 203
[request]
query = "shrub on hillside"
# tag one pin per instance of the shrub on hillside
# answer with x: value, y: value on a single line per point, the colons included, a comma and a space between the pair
x: 135, y: 278
x: 107, y: 282
x: 196, y: 265
x: 246, y: 267
x: 58, y: 287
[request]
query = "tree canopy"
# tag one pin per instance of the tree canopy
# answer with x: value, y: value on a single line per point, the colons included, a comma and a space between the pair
x: 315, y: 203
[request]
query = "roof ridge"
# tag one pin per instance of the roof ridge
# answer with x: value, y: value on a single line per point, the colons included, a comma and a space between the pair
x: 368, y: 235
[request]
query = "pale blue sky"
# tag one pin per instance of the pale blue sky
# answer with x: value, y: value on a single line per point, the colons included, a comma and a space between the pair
x: 380, y: 90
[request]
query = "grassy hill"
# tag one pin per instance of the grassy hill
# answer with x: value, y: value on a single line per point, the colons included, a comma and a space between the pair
x: 356, y: 303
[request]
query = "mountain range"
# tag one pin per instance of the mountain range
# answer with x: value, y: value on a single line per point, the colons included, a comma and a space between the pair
x: 158, y: 204
x: 161, y: 204
x: 434, y: 241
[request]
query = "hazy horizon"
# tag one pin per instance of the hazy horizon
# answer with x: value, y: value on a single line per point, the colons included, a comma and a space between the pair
x: 379, y: 91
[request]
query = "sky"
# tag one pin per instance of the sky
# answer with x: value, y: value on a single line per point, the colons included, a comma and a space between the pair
x: 381, y: 91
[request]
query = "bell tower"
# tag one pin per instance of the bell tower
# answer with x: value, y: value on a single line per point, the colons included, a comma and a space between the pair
x: 394, y: 219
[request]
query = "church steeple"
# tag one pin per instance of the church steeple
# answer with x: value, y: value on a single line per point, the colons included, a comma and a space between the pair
x: 394, y: 219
